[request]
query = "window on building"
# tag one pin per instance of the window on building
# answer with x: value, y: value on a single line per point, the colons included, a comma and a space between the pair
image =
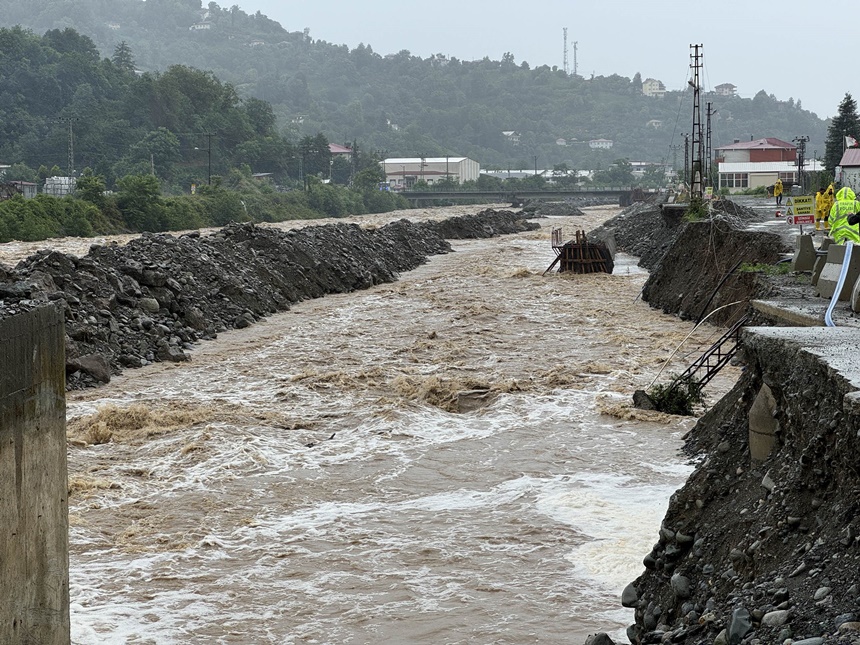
x: 735, y: 180
x: 787, y: 177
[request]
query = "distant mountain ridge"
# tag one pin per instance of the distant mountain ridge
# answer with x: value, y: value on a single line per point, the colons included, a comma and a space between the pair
x: 403, y: 105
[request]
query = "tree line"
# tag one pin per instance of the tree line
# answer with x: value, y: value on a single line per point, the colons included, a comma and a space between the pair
x: 411, y: 106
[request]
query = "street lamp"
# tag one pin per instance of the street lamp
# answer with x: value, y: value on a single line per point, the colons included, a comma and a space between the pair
x: 403, y: 180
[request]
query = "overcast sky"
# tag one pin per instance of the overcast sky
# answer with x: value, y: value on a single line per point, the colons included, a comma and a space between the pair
x: 791, y: 48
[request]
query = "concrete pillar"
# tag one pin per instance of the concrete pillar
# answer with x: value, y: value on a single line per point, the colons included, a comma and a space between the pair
x: 804, y: 253
x: 762, y: 425
x: 34, y: 513
x: 832, y: 267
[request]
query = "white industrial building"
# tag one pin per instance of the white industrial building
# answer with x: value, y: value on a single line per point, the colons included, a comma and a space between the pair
x: 404, y: 172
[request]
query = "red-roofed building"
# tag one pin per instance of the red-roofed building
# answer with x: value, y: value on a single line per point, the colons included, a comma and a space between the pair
x: 339, y: 151
x: 757, y: 151
x: 757, y: 163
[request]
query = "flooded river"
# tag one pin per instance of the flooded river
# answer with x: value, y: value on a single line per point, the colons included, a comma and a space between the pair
x: 451, y: 458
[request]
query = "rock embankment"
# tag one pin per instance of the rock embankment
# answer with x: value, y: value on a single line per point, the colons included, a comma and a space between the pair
x: 150, y: 300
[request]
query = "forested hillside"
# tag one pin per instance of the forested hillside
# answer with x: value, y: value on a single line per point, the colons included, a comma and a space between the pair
x: 405, y: 105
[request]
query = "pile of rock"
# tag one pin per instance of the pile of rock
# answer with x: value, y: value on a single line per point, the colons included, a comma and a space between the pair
x: 152, y: 299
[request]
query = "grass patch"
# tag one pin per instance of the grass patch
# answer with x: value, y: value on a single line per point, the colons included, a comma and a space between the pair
x: 784, y: 268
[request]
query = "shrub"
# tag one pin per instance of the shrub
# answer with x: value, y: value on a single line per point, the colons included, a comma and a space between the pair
x: 679, y: 396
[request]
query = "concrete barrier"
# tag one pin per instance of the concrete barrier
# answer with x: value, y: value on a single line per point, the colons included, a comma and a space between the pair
x: 34, y: 522
x: 820, y: 260
x: 830, y: 272
x: 804, y: 253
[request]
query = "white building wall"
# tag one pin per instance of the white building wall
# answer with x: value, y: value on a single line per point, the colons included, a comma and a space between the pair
x: 735, y: 156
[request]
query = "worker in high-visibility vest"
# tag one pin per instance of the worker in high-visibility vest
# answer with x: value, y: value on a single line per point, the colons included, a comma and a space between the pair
x: 844, y: 217
x: 828, y: 199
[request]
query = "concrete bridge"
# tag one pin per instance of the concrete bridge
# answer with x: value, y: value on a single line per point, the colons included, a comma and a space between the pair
x: 516, y: 197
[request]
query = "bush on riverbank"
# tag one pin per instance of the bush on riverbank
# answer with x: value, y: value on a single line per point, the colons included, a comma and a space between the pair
x: 139, y: 206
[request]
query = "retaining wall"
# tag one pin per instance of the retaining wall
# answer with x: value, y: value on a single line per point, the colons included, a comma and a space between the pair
x: 34, y: 553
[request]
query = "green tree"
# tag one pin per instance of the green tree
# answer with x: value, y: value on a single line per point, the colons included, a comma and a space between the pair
x: 845, y: 123
x: 122, y: 57
x: 139, y: 202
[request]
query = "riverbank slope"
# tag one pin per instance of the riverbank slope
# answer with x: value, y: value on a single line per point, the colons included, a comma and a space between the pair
x: 761, y: 544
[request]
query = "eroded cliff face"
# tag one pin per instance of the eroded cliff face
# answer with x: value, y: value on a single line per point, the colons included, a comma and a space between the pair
x: 765, y: 549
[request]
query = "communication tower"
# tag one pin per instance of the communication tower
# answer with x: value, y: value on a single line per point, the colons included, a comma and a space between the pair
x: 566, y: 66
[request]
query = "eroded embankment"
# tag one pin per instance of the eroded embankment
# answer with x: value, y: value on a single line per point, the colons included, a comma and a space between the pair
x: 766, y: 548
x: 696, y: 267
x: 127, y: 306
x: 761, y: 544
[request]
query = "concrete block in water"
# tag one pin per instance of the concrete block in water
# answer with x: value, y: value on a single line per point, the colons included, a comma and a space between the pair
x: 832, y: 267
x: 804, y: 253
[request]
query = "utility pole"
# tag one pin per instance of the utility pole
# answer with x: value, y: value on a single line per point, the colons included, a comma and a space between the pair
x: 70, y: 120
x: 708, y: 173
x: 686, y: 159
x: 208, y: 150
x: 801, y: 153
x: 674, y: 148
x: 696, y: 166
x: 566, y: 66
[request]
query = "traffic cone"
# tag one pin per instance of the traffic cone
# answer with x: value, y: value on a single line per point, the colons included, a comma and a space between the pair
x: 778, y: 214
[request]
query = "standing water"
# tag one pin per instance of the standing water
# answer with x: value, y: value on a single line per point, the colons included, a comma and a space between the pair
x: 451, y: 458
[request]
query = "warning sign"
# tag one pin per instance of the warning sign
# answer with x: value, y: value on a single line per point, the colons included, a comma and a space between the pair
x: 799, y: 220
x: 801, y: 205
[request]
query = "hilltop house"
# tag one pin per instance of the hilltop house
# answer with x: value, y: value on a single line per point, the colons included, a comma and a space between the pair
x: 726, y: 89
x: 653, y: 87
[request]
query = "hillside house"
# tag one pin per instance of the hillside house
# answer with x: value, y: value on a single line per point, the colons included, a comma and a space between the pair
x: 26, y: 188
x: 600, y: 144
x: 653, y: 87
x: 512, y: 136
x: 726, y: 89
x: 340, y: 151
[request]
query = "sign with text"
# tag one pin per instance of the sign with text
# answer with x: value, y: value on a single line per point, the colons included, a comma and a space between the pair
x: 800, y: 220
x: 801, y: 205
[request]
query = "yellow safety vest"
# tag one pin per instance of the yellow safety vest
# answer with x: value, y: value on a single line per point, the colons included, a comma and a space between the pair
x: 840, y: 230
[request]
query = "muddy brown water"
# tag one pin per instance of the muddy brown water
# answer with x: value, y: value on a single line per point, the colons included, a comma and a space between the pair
x: 311, y: 480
